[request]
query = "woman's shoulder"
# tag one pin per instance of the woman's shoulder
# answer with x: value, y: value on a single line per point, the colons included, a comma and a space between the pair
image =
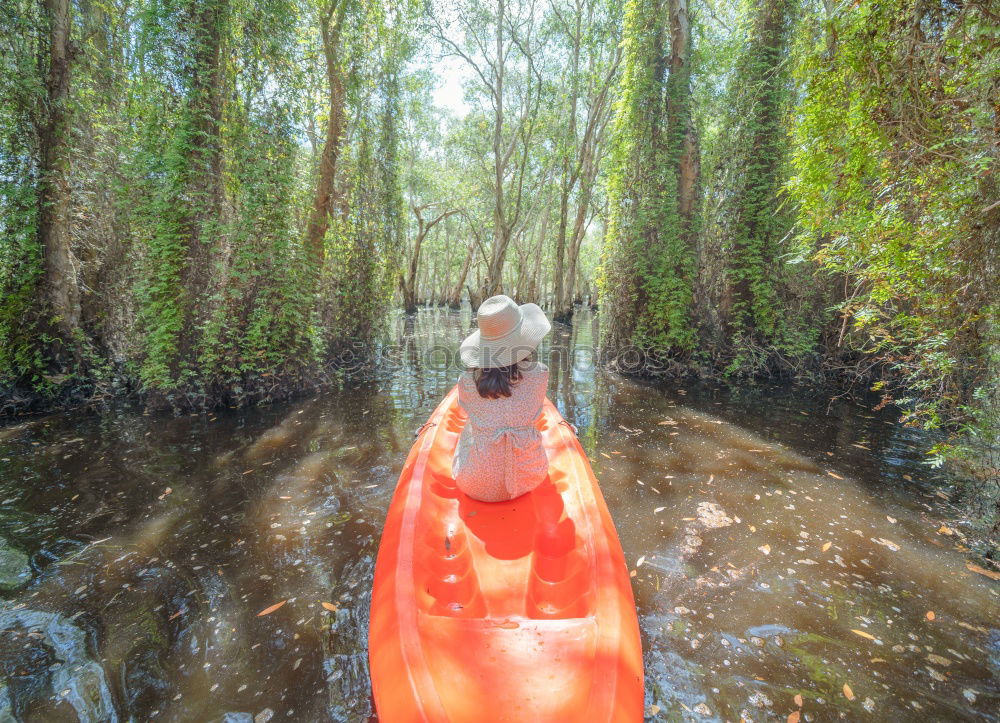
x: 529, y: 368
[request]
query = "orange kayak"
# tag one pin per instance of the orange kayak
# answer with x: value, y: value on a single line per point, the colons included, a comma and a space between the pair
x: 502, y: 611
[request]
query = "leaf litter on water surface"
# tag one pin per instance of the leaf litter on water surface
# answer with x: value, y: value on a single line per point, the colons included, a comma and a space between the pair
x: 991, y: 574
x: 271, y: 609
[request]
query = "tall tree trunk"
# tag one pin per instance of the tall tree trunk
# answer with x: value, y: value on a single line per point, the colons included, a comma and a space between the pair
x: 679, y: 115
x: 501, y: 235
x: 424, y: 227
x: 208, y: 21
x: 536, y: 285
x: 570, y: 175
x: 324, y: 199
x: 493, y: 283
x: 756, y: 227
x: 455, y: 296
x: 63, y: 291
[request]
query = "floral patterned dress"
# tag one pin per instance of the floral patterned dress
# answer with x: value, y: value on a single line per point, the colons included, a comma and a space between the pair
x: 500, y: 454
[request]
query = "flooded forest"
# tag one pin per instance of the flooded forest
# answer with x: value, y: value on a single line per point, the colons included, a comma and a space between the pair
x: 240, y: 243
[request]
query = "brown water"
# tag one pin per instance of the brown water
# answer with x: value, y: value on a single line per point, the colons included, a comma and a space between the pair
x: 791, y: 553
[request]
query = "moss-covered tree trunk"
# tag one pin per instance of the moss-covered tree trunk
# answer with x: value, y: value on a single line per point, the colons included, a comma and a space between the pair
x: 324, y: 200
x: 680, y: 123
x: 748, y: 326
x: 648, y: 259
x: 63, y: 291
x: 183, y: 276
x: 209, y: 21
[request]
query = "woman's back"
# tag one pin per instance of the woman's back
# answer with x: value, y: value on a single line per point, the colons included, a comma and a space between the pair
x: 521, y: 407
x: 500, y: 453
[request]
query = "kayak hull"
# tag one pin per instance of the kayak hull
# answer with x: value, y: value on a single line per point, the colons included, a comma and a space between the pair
x: 505, y: 611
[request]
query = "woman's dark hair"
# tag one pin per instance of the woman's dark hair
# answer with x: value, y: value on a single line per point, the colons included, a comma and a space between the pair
x: 496, y: 382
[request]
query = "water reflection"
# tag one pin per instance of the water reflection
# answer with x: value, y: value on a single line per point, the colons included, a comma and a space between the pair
x: 792, y: 551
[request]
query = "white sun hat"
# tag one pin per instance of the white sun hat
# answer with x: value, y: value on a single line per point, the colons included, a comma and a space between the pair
x: 507, y: 333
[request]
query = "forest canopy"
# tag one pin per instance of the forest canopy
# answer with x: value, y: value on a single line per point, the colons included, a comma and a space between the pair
x: 214, y: 201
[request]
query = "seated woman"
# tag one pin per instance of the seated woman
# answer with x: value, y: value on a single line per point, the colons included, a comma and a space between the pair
x: 500, y: 454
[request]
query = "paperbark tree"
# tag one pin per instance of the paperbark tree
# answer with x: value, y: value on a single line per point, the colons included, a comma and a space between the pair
x: 502, y: 55
x: 408, y: 284
x: 324, y: 198
x: 63, y: 291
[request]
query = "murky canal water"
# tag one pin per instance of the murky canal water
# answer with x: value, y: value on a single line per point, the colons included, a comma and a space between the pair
x: 791, y: 556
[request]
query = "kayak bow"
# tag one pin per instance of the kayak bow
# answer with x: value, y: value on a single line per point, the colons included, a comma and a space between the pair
x: 502, y: 611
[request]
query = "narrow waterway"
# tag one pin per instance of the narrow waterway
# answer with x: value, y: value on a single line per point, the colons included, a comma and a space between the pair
x: 792, y: 554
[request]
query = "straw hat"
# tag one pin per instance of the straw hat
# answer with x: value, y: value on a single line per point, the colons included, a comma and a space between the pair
x: 507, y: 333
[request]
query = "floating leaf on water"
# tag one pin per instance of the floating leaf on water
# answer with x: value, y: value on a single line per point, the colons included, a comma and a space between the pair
x: 945, y: 530
x: 835, y: 476
x: 848, y: 693
x: 826, y: 546
x: 863, y: 634
x: 931, y: 615
x: 891, y: 519
x: 991, y: 574
x: 658, y: 510
x: 885, y: 543
x: 176, y: 615
x: 766, y: 549
x: 330, y: 606
x: 936, y: 675
x: 793, y: 717
x: 641, y: 560
x: 798, y: 699
x: 269, y: 610
x: 973, y: 628
x: 938, y: 659
x: 654, y: 709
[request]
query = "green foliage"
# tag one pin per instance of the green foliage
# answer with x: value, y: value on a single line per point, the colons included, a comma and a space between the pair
x: 22, y: 360
x: 752, y: 220
x: 850, y: 210
x: 160, y: 291
x: 646, y: 278
x: 192, y: 180
x: 896, y: 150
